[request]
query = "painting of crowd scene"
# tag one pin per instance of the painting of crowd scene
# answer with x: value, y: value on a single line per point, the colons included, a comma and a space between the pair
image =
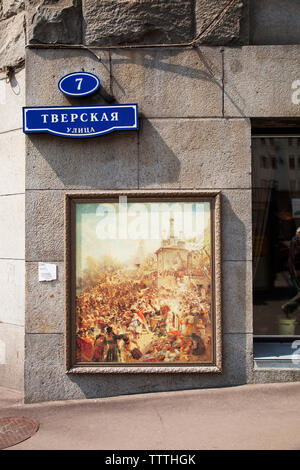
x: 143, y: 283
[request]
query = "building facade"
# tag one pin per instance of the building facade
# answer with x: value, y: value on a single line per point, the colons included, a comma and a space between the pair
x: 215, y: 72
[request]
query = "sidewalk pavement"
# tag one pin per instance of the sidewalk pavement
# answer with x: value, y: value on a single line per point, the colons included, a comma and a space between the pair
x: 244, y: 417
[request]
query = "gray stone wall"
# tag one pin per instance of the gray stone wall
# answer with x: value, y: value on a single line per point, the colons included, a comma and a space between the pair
x: 12, y: 232
x: 195, y: 106
x: 195, y: 132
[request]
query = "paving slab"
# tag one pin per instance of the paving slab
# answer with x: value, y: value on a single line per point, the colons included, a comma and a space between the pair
x: 260, y: 416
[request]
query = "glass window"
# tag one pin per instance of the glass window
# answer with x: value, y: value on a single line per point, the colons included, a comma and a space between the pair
x: 276, y: 235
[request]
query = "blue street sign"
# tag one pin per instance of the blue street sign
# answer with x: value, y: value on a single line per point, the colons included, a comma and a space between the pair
x: 79, y: 84
x: 80, y: 121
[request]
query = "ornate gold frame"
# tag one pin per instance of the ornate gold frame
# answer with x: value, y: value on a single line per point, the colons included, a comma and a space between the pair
x: 143, y: 195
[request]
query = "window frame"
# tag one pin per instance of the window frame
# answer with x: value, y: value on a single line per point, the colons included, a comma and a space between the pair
x: 268, y: 129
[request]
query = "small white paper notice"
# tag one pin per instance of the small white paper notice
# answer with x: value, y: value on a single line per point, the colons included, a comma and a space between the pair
x: 47, y: 272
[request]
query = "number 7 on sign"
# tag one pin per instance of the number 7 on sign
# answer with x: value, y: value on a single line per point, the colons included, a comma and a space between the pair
x: 78, y: 83
x: 79, y: 80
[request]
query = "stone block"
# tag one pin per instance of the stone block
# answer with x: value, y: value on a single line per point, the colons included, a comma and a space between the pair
x: 45, y: 226
x: 12, y: 40
x: 215, y: 27
x: 45, y: 309
x: 237, y: 297
x: 12, y: 291
x: 11, y: 356
x: 12, y: 7
x: 244, y: 24
x: 259, y: 80
x: 169, y: 82
x: 45, y: 377
x: 107, y: 162
x: 44, y: 367
x: 12, y: 215
x: 275, y: 22
x: 238, y: 358
x: 146, y: 22
x: 12, y: 98
x: 276, y: 375
x: 45, y: 67
x: 12, y: 158
x: 58, y: 21
x: 236, y: 228
x: 195, y: 153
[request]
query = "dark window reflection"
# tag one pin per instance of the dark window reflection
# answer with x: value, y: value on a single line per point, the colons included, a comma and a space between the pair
x: 276, y: 245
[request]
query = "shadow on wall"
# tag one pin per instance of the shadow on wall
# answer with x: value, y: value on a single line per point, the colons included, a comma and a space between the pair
x: 107, y: 162
x: 14, y: 84
x: 45, y: 373
x: 160, y: 60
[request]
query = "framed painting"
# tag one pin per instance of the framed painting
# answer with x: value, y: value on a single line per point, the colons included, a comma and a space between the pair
x: 143, y: 282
